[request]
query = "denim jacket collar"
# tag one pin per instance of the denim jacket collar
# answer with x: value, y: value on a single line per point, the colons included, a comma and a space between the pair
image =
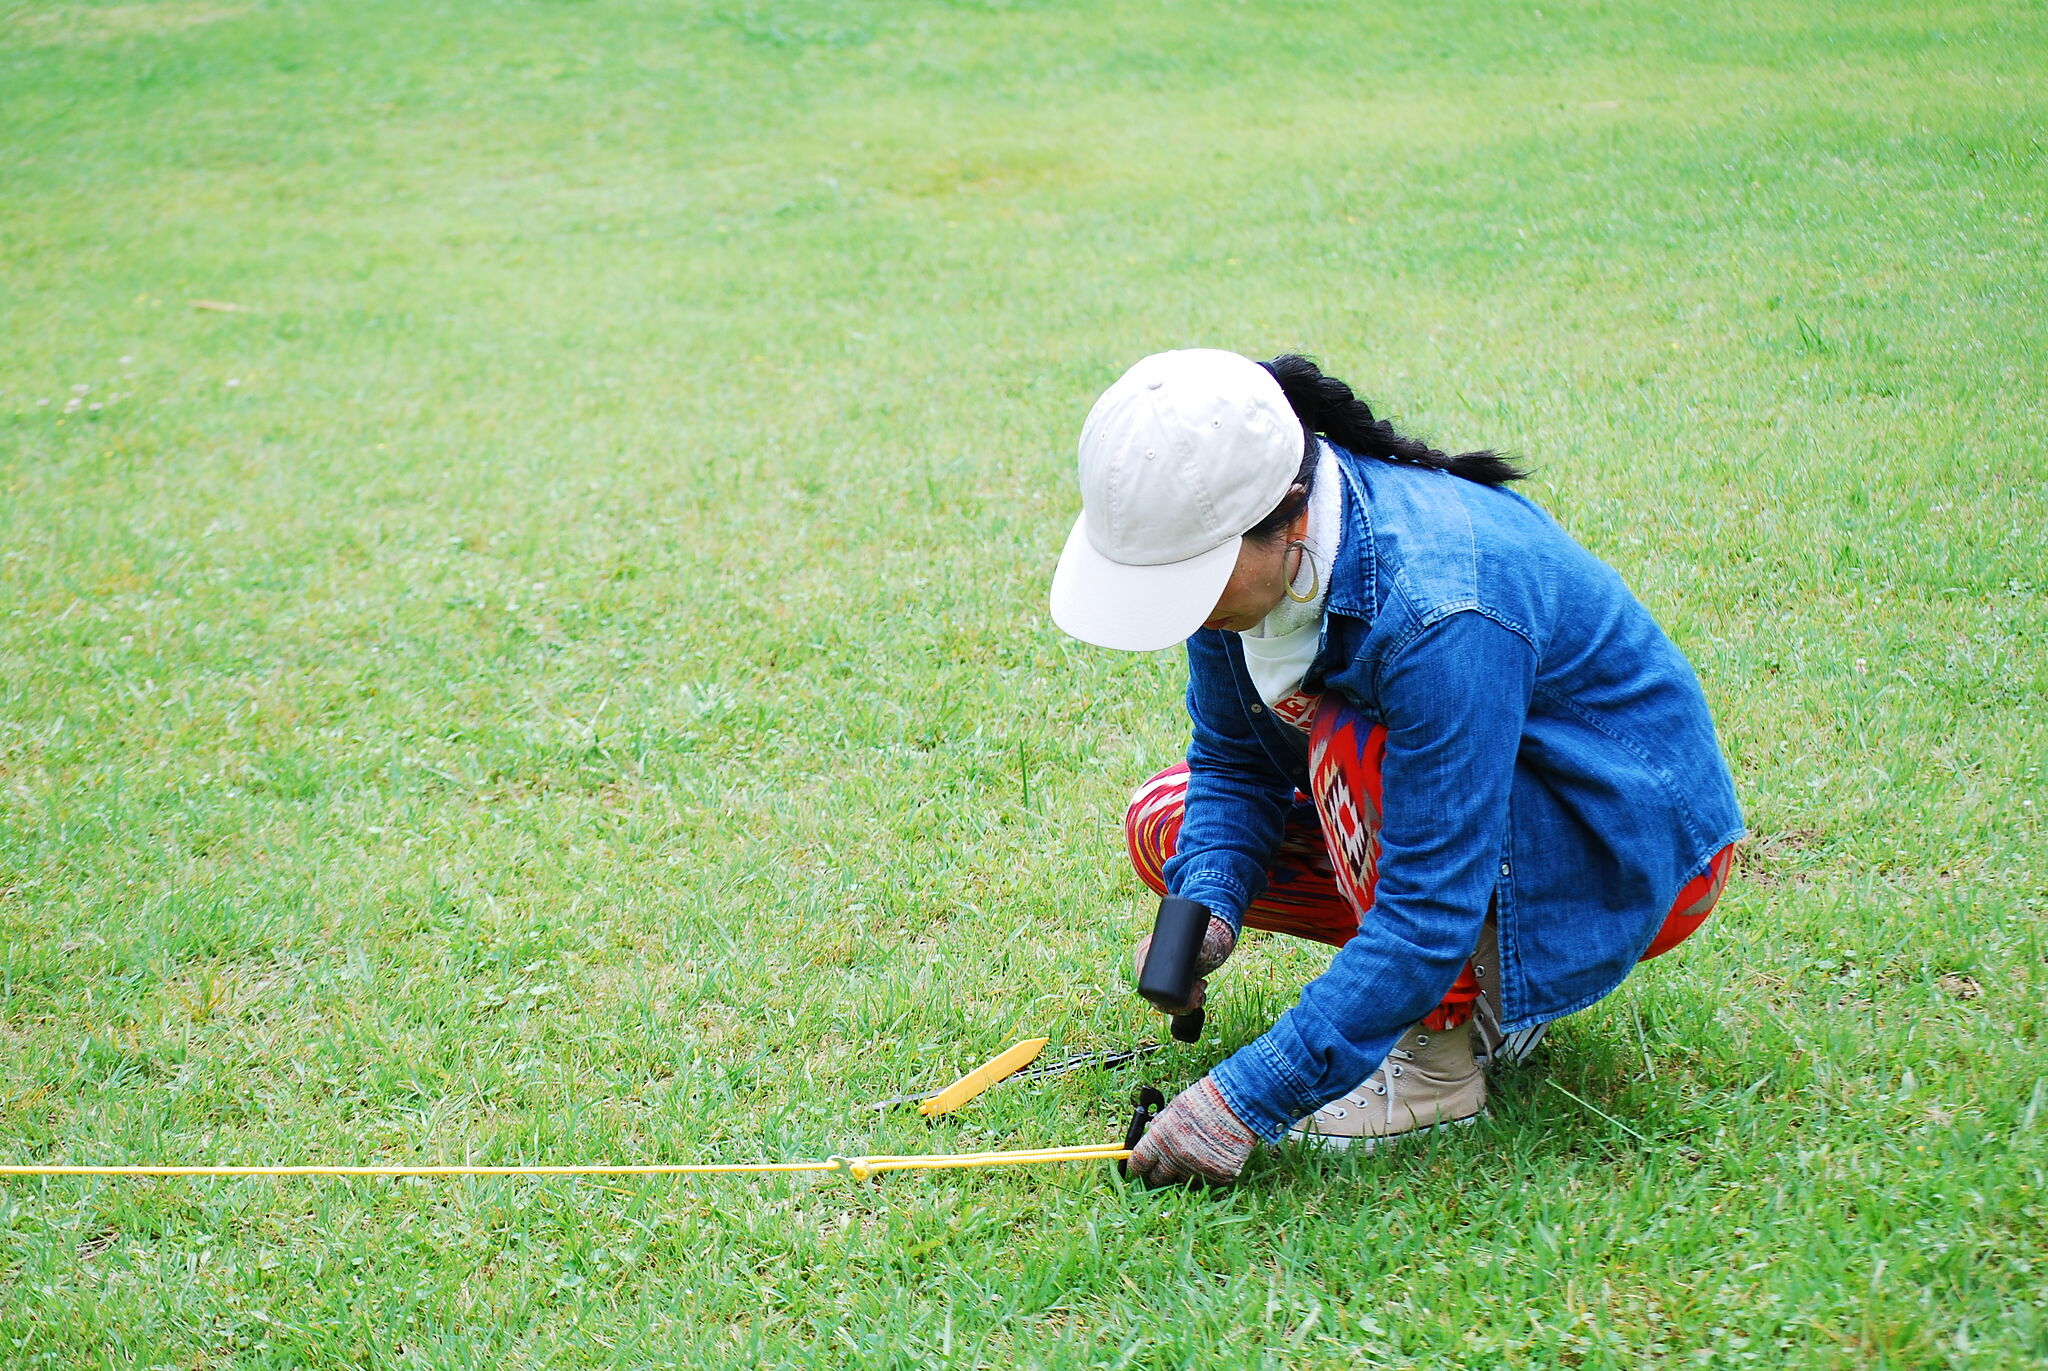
x: 1354, y: 581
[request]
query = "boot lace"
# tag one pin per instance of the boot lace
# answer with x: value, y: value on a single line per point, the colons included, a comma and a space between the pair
x: 1376, y: 1085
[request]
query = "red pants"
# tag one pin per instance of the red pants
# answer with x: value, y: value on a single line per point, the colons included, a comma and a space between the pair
x: 1321, y: 882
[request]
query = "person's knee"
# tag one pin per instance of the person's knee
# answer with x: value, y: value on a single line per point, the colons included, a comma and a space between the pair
x: 1152, y: 824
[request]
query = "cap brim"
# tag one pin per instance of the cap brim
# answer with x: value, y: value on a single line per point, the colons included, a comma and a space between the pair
x: 1136, y: 608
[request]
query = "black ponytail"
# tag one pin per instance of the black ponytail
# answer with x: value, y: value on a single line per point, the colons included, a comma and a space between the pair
x: 1327, y: 406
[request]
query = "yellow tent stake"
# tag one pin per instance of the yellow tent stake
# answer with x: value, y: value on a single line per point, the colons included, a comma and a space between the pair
x: 860, y: 1168
x: 1005, y: 1064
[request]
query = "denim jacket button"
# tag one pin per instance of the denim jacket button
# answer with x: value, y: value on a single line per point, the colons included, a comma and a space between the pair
x: 1503, y: 868
x: 1258, y: 709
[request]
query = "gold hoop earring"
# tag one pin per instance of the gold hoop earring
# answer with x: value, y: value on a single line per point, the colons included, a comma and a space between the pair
x: 1316, y: 582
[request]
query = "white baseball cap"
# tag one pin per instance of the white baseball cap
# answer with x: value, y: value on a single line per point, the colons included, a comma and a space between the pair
x: 1179, y: 458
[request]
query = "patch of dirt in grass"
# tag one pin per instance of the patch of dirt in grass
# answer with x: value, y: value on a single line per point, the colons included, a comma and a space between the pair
x: 102, y: 1241
x: 1961, y: 986
x: 1767, y: 859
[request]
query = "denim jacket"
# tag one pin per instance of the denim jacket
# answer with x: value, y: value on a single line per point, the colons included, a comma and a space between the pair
x: 1549, y: 752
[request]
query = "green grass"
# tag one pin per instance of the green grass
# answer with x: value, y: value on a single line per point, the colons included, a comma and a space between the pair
x: 564, y: 675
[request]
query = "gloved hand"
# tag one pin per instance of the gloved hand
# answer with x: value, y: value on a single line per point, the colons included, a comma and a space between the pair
x: 1195, y: 1138
x: 1218, y: 941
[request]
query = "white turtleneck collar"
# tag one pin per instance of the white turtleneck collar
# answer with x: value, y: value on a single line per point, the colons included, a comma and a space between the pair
x: 1278, y: 650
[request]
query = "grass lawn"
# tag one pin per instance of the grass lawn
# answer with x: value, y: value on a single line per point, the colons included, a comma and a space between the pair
x: 549, y: 664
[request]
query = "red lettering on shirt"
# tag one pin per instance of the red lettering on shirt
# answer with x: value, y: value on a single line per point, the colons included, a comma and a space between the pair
x: 1297, y: 709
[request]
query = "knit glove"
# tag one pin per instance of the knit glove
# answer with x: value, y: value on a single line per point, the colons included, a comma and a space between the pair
x: 1218, y: 941
x: 1195, y: 1139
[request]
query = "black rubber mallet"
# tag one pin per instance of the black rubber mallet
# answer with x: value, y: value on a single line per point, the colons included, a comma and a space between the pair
x: 1168, y: 979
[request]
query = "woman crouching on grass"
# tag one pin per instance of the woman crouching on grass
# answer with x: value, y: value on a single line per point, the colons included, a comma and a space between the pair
x: 1429, y: 729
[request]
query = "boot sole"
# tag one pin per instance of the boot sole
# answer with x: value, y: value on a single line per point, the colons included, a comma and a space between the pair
x: 1338, y: 1142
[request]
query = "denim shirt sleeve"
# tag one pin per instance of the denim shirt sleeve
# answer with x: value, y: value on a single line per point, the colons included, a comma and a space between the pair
x: 1453, y: 698
x: 1237, y: 799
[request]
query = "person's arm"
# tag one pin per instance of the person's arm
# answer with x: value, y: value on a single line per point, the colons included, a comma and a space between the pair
x: 1237, y: 798
x: 1454, y: 700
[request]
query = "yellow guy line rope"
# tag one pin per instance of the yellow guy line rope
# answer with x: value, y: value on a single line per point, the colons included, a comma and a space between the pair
x: 860, y: 1168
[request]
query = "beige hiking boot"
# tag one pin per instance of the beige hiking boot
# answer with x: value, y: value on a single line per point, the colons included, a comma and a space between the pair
x: 1429, y: 1079
x: 1489, y: 1044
